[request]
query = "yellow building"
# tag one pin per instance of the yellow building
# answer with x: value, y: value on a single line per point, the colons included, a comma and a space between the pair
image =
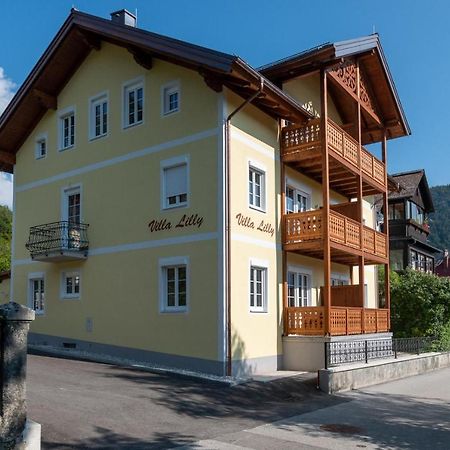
x: 169, y: 204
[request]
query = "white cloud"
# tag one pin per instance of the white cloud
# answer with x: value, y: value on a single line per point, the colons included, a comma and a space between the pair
x: 7, y: 87
x: 6, y: 93
x: 6, y: 189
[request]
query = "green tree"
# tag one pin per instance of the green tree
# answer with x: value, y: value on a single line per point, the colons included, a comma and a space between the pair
x: 420, y: 305
x: 5, y: 237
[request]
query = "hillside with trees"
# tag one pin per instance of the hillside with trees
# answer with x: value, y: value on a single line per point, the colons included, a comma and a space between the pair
x: 5, y: 237
x: 440, y: 219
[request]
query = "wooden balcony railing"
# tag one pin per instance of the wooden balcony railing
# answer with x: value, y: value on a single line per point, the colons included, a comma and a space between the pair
x: 295, y: 141
x: 344, y: 321
x: 307, y: 226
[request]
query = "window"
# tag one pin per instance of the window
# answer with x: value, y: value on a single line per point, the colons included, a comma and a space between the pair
x: 171, y: 98
x: 133, y: 104
x: 174, y: 182
x: 396, y: 259
x: 396, y: 211
x: 256, y: 188
x: 174, y: 284
x: 299, y: 289
x: 414, y: 260
x: 415, y: 212
x: 296, y: 200
x: 67, y: 129
x: 99, y: 117
x: 258, y: 294
x: 41, y: 147
x: 339, y: 282
x: 37, y: 292
x: 70, y: 285
x: 72, y: 213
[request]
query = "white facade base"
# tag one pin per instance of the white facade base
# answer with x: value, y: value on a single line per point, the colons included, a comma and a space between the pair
x: 307, y: 353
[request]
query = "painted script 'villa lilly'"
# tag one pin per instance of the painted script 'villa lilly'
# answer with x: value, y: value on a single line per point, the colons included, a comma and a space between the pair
x: 174, y: 205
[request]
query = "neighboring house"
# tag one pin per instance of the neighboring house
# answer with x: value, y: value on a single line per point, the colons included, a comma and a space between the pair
x: 443, y: 267
x: 408, y: 223
x: 175, y: 205
x: 5, y: 278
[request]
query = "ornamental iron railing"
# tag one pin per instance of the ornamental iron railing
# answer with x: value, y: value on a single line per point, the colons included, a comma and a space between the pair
x: 58, y: 237
x: 357, y: 351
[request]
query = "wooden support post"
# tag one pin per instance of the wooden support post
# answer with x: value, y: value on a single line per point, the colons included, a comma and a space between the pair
x: 387, y: 283
x: 326, y: 202
x: 360, y: 203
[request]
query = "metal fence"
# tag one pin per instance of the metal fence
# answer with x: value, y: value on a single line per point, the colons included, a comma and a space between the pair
x: 348, y: 352
x: 57, y: 236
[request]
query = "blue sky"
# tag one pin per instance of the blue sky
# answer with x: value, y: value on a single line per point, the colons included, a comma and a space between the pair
x: 415, y: 36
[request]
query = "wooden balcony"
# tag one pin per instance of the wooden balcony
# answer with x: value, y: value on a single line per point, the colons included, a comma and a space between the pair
x: 301, y: 148
x: 303, y: 233
x: 310, y: 321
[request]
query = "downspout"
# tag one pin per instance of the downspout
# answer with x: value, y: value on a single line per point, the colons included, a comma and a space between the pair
x: 228, y: 220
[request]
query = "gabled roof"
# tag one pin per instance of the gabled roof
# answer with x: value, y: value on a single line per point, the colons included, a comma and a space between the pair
x: 410, y: 183
x: 370, y: 54
x: 82, y: 33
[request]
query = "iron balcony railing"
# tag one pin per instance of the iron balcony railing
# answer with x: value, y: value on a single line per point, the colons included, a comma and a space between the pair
x: 357, y: 351
x: 58, y: 237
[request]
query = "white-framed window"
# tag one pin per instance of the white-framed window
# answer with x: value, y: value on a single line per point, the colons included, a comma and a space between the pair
x: 338, y: 279
x: 258, y: 288
x: 297, y: 200
x: 174, y: 284
x: 299, y: 288
x: 67, y: 128
x: 256, y: 188
x: 133, y: 103
x: 36, y: 292
x: 170, y: 96
x: 41, y: 147
x: 175, y: 182
x: 70, y: 284
x: 98, y: 116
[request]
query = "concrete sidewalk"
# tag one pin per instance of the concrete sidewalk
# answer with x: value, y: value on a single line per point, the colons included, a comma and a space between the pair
x: 412, y: 413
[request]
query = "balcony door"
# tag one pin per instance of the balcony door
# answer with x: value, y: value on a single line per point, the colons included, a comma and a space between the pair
x: 299, y: 289
x: 296, y: 200
x: 71, y: 218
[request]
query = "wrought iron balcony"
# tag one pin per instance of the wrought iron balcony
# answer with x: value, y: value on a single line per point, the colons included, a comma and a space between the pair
x: 58, y: 241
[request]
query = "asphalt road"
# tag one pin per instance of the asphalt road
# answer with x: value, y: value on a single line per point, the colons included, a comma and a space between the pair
x: 84, y: 405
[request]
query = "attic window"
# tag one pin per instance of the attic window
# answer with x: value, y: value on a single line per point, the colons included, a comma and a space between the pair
x: 41, y: 147
x: 67, y: 129
x: 133, y: 99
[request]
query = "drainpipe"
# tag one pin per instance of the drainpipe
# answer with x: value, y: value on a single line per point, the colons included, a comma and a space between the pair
x: 228, y: 219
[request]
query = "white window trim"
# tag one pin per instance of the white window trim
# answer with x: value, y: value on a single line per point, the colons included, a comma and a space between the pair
x: 64, y: 198
x: 171, y: 85
x: 167, y: 164
x: 135, y: 83
x: 303, y: 271
x: 257, y: 166
x: 259, y: 264
x: 170, y: 262
x: 63, y: 294
x: 100, y: 97
x: 37, y: 276
x: 298, y: 191
x: 39, y: 138
x: 61, y: 115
